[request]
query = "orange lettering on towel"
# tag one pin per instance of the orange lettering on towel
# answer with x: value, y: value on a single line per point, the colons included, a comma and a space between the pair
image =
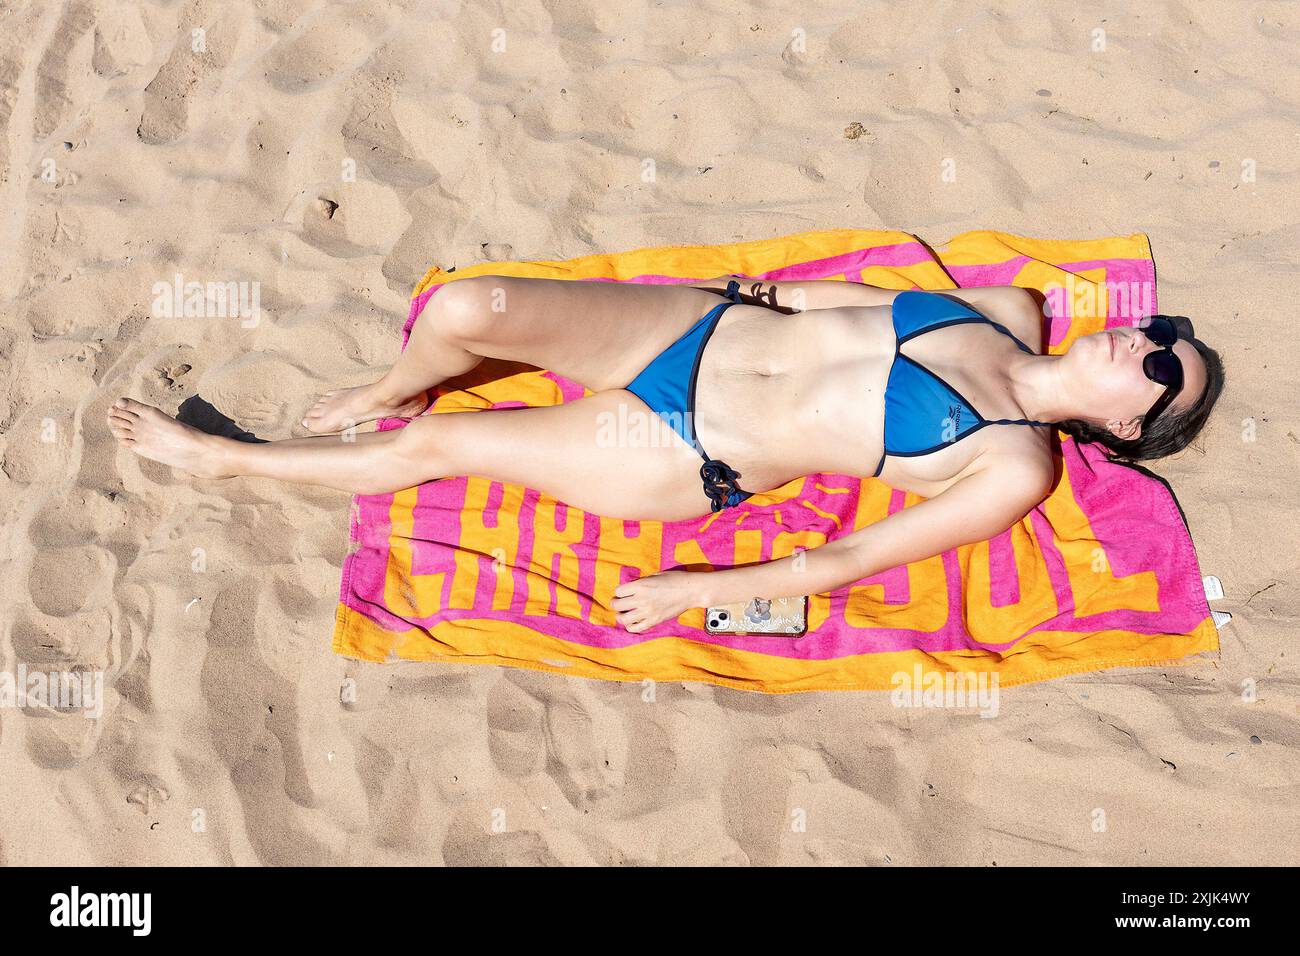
x: 549, y: 543
x: 487, y: 536
x: 927, y: 600
x: 749, y: 547
x: 689, y: 554
x: 1096, y: 590
x: 866, y: 607
x: 992, y: 625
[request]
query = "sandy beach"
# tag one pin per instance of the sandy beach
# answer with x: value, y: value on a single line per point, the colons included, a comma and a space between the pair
x: 316, y: 158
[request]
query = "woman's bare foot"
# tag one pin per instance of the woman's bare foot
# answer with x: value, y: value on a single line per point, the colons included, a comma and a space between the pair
x: 149, y: 433
x: 342, y: 408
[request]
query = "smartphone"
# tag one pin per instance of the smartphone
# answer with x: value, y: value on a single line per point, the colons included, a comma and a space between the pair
x: 786, y: 617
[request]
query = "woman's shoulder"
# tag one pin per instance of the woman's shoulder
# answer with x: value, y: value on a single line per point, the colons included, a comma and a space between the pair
x: 1020, y: 458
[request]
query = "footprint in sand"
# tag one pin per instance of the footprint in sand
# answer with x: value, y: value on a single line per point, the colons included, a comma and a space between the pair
x: 59, y: 733
x: 204, y: 45
x: 470, y: 842
x: 38, y: 445
x: 61, y: 81
x: 121, y: 41
x: 64, y: 581
x: 587, y: 744
x: 338, y: 40
x: 516, y: 735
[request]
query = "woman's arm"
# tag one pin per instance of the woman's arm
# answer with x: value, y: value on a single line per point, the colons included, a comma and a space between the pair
x: 1011, y: 305
x: 976, y: 508
x: 792, y: 297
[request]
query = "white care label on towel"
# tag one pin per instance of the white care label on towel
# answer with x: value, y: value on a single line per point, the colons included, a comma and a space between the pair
x: 1213, y: 587
x: 1221, y: 618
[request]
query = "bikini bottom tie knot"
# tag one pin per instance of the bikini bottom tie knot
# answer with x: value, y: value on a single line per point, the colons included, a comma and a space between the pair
x: 720, y: 484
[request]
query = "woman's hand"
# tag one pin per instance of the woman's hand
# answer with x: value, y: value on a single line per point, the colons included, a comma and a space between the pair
x: 645, y: 602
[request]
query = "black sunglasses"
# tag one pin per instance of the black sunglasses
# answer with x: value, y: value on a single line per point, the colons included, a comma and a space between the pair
x: 1162, y: 366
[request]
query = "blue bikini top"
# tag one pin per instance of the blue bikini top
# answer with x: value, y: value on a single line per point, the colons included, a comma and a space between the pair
x: 923, y: 413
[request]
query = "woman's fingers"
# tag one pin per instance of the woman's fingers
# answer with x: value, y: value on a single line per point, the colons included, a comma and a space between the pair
x: 633, y: 619
x: 635, y: 603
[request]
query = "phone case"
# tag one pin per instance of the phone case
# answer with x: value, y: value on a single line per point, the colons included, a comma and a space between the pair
x: 782, y: 617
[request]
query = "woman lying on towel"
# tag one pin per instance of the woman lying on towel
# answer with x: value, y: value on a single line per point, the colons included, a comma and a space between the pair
x: 945, y: 395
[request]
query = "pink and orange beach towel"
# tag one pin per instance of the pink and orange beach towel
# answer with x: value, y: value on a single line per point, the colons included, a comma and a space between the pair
x: 1101, y: 574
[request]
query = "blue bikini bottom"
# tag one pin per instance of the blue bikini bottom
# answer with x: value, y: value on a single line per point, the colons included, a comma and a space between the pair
x: 667, y: 385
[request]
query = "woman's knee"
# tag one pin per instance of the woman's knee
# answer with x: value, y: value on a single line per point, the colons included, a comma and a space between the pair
x: 464, y: 312
x: 414, y: 445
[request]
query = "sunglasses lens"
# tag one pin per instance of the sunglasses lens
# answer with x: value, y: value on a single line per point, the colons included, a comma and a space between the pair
x: 1159, y: 330
x: 1163, y: 368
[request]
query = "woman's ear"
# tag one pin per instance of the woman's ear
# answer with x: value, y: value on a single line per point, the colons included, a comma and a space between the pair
x: 1127, y: 431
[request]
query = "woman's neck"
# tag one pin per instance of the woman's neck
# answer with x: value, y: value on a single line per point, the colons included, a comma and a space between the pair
x: 1039, y: 389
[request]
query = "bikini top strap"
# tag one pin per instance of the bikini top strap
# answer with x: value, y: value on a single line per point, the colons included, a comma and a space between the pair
x: 733, y: 291
x: 1011, y: 335
x: 1018, y: 421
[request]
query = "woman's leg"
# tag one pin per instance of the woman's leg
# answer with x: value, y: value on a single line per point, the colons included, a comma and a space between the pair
x: 601, y: 334
x: 577, y: 452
